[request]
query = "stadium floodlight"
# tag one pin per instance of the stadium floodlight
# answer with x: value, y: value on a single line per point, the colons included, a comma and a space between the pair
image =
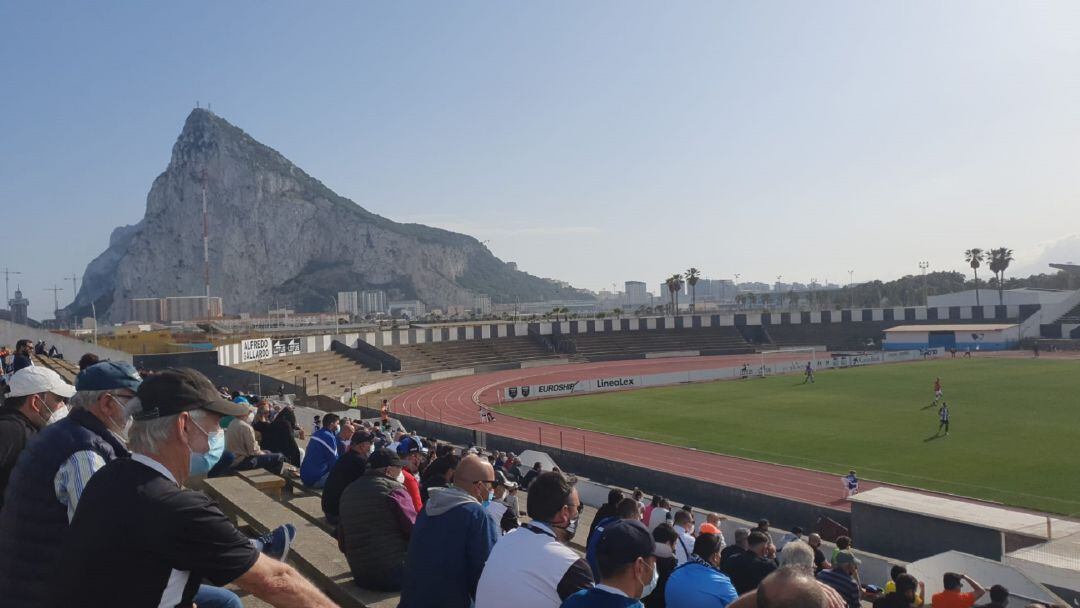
x: 784, y: 361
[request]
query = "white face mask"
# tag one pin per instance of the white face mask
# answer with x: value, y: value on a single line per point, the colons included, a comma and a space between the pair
x: 400, y: 477
x: 371, y: 450
x: 58, y: 414
x: 649, y: 588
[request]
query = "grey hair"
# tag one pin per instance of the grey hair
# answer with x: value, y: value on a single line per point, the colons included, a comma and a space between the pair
x: 797, y: 554
x: 84, y: 399
x: 146, y: 436
x: 742, y: 534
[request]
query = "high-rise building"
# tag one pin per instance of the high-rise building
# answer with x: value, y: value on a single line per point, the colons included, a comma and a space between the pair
x: 373, y: 301
x: 148, y: 310
x: 411, y: 308
x: 482, y: 304
x: 190, y: 308
x: 348, y: 302
x: 635, y: 294
x: 18, y: 307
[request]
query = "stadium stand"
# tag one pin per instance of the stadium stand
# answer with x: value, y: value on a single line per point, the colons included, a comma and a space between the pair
x: 1073, y: 316
x: 834, y: 336
x: 67, y: 369
x: 613, y: 345
x: 336, y: 373
x: 436, y: 356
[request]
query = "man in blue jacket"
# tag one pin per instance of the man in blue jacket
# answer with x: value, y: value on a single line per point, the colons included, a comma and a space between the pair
x: 451, y: 540
x: 322, y: 453
x: 698, y: 583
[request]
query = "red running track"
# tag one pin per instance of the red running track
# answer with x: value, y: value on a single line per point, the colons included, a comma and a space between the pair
x: 455, y: 401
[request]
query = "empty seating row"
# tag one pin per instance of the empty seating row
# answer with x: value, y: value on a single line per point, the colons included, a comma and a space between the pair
x: 720, y: 340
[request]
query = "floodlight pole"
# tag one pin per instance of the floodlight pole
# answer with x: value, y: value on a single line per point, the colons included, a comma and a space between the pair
x: 926, y: 297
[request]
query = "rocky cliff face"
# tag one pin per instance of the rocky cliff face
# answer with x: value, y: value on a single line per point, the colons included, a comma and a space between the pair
x: 278, y: 234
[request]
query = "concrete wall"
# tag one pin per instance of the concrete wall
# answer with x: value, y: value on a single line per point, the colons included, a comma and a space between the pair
x: 72, y: 348
x: 206, y: 362
x: 911, y: 537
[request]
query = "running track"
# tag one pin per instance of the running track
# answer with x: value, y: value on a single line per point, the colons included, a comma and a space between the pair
x: 455, y: 401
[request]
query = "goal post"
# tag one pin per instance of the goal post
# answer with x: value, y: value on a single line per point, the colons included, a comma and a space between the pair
x: 787, y: 360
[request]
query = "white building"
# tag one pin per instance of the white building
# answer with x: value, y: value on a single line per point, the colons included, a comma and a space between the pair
x: 1013, y: 297
x: 373, y: 301
x: 636, y: 294
x: 348, y: 302
x: 482, y: 304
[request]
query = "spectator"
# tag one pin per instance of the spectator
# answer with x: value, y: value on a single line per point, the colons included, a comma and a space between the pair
x: 376, y: 523
x: 795, y: 534
x: 820, y: 563
x: 639, y: 496
x: 412, y: 453
x: 241, y: 443
x: 532, y: 566
x: 51, y: 474
x: 626, y: 510
x: 504, y: 517
x: 54, y: 353
x: 36, y: 397
x: 731, y: 551
x: 890, y: 586
x: 628, y: 569
x: 763, y: 526
x: 348, y: 469
x: 438, y: 474
x: 165, y: 539
x: 748, y: 568
x: 531, y: 475
x: 22, y: 358
x: 323, y: 451
x: 656, y: 500
x: 951, y: 597
x: 660, y: 514
x: 452, y: 539
x: 664, y: 539
x: 799, y: 555
x: 279, y: 435
x: 684, y: 526
x: 844, y: 578
x: 902, y: 594
x: 715, y: 520
x: 87, y: 360
x: 843, y: 543
x: 699, y: 583
x: 999, y: 597
x: 790, y: 588
x: 606, y: 510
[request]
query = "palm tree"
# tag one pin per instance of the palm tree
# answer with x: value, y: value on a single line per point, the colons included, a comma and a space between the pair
x: 674, y: 284
x: 974, y: 257
x: 1000, y: 259
x: 566, y: 312
x: 692, y: 276
x: 617, y: 312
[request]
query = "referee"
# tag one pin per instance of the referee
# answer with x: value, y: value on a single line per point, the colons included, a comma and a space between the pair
x: 140, y: 539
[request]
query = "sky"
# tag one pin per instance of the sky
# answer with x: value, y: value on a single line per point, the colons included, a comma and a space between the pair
x: 590, y: 141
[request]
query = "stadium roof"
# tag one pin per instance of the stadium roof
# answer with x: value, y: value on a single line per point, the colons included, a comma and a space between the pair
x: 957, y: 327
x: 1070, y: 267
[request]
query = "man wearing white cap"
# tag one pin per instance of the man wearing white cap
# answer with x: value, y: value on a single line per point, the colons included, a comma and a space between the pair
x: 37, y: 397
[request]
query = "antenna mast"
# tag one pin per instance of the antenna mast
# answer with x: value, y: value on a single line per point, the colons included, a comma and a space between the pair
x: 206, y: 244
x: 7, y: 279
x: 56, y: 301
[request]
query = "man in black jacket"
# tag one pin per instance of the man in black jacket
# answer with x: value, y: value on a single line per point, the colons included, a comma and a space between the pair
x: 750, y: 567
x: 348, y: 469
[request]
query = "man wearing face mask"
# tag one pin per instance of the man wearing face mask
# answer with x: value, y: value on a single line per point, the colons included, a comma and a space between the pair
x: 51, y: 474
x: 412, y: 453
x: 241, y: 442
x: 452, y: 540
x: 532, y: 567
x: 376, y: 522
x: 139, y: 538
x: 322, y: 453
x: 348, y: 469
x: 37, y: 397
x: 627, y: 568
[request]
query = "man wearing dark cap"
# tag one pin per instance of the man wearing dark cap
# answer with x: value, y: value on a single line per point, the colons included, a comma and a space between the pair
x: 412, y: 454
x: 348, y: 469
x: 376, y: 523
x: 52, y: 472
x: 844, y: 578
x: 139, y: 538
x: 627, y: 568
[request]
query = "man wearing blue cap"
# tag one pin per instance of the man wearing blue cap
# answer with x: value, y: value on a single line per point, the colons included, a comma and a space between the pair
x: 52, y: 472
x: 627, y: 568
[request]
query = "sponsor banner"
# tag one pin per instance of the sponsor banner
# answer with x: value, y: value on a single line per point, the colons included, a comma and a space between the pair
x: 286, y: 346
x: 253, y: 350
x: 554, y: 389
x: 607, y: 384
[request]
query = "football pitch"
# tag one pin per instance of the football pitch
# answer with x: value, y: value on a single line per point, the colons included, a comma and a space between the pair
x: 1014, y: 437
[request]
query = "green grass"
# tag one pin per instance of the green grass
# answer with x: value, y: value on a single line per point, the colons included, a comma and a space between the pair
x: 1015, y: 435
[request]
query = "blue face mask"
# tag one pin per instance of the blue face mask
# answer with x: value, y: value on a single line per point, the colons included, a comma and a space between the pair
x: 202, y: 463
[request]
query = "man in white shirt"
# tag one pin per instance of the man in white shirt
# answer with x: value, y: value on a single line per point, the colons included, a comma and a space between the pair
x: 684, y: 545
x: 531, y: 567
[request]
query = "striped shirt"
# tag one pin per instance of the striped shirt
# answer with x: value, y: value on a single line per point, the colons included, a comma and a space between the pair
x: 74, y: 474
x: 843, y: 584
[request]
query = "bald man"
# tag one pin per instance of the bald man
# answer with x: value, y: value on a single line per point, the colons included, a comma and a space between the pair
x: 451, y: 540
x: 790, y: 587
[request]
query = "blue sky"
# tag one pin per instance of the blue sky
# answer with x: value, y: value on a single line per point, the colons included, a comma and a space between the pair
x: 591, y: 141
